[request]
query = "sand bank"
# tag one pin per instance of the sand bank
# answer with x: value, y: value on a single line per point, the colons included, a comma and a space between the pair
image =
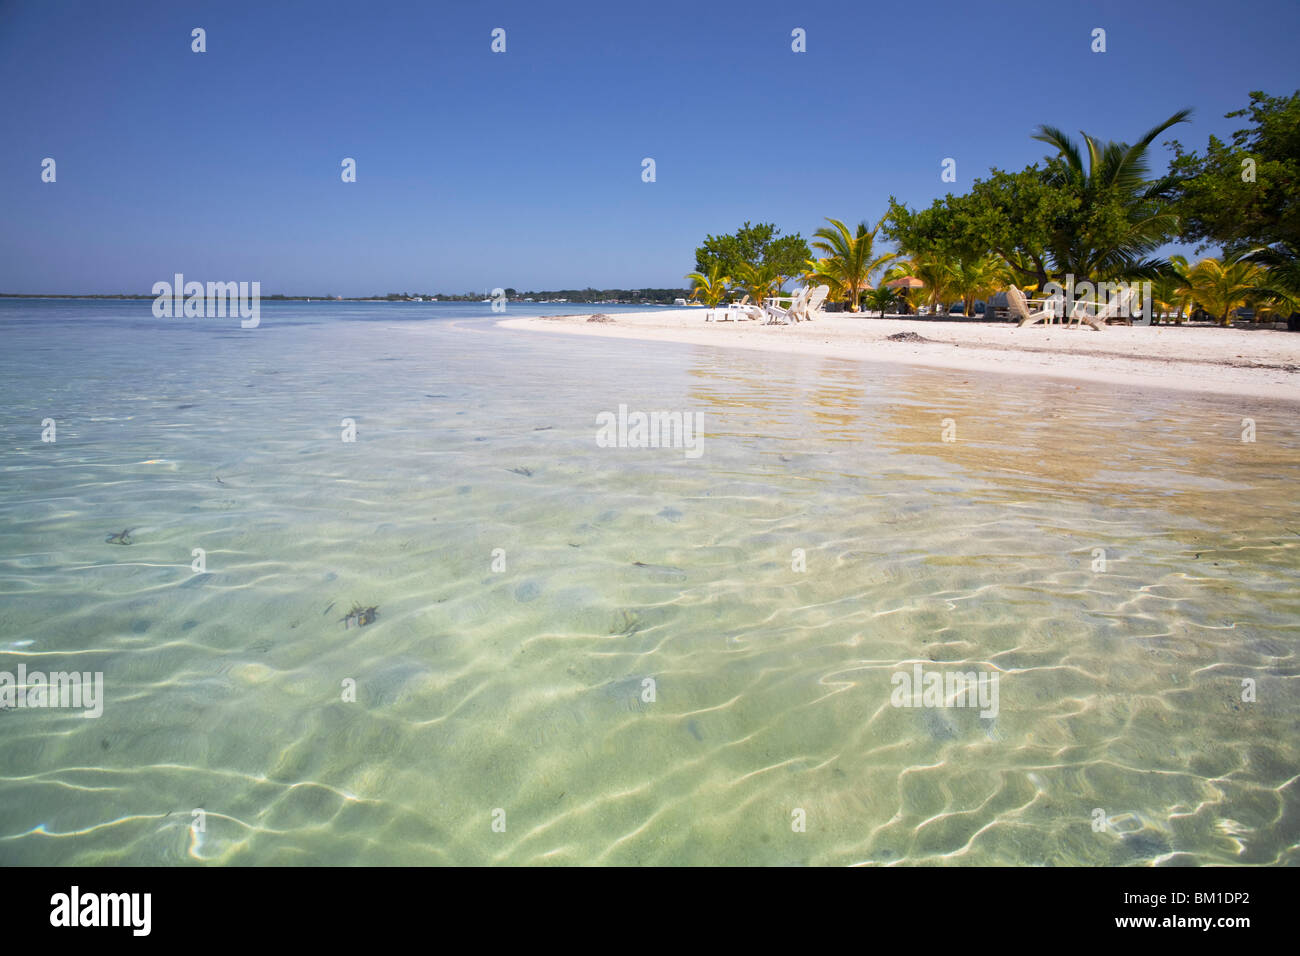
x: 1259, y: 363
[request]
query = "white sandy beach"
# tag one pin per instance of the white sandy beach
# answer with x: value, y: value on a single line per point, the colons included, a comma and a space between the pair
x: 1261, y: 363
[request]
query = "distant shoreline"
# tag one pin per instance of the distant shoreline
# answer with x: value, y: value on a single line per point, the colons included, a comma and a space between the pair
x: 1239, y: 362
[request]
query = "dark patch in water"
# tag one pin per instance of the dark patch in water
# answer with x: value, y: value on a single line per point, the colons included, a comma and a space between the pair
x: 528, y: 591
x: 627, y: 693
x: 1145, y: 845
x: 938, y: 726
x: 183, y: 407
x: 661, y: 572
x: 189, y: 625
x: 139, y: 627
x: 694, y: 728
x: 626, y: 624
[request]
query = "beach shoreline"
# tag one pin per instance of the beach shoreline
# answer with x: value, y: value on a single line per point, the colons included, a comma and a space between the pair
x: 1254, y: 363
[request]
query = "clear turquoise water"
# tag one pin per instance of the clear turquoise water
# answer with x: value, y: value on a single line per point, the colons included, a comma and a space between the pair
x: 520, y: 690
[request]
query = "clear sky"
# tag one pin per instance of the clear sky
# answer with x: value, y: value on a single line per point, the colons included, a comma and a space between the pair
x: 523, y: 169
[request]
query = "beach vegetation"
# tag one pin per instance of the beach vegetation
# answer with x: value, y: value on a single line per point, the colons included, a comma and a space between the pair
x: 880, y: 299
x: 711, y: 288
x: 1220, y: 287
x: 1092, y: 209
x: 760, y: 245
x: 1244, y: 193
x: 759, y: 280
x: 850, y: 262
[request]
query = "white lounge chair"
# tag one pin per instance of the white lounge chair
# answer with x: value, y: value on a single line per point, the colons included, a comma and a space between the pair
x: 776, y: 315
x: 1117, y: 308
x: 740, y: 310
x: 798, y: 310
x: 1019, y: 305
x: 814, y: 303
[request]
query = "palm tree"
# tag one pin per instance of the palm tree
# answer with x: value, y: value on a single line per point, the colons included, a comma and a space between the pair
x: 850, y: 261
x: 1282, y: 281
x: 937, y: 274
x: 978, y: 277
x: 1222, y: 287
x: 760, y: 281
x: 1128, y: 216
x: 882, y: 298
x: 709, y: 289
x: 1169, y: 291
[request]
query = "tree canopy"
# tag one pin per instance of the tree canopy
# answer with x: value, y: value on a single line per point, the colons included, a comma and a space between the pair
x: 1247, y: 192
x: 754, y: 246
x: 1102, y: 217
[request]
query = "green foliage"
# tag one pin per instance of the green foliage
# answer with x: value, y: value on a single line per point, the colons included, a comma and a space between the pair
x: 849, y: 261
x: 709, y: 289
x: 1218, y: 206
x: 753, y: 245
x: 759, y: 281
x: 1092, y: 210
x: 1222, y: 287
x: 880, y: 300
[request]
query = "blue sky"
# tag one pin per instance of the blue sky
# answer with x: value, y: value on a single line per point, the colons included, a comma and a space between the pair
x: 523, y: 169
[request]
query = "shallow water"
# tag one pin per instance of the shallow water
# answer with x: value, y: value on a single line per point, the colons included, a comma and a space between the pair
x: 522, y: 690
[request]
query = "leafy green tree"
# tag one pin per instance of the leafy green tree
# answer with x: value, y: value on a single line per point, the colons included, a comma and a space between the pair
x: 1016, y: 215
x: 753, y: 245
x: 1247, y: 192
x: 1100, y: 219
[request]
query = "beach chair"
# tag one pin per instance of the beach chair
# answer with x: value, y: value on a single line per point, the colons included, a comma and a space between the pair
x: 745, y: 309
x: 1019, y: 306
x: 742, y: 309
x: 1117, y: 308
x: 814, y: 303
x: 779, y: 316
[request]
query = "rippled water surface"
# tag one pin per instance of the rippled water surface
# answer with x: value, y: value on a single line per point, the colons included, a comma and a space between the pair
x: 1121, y: 560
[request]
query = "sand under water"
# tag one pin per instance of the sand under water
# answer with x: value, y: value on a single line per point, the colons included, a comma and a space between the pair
x: 627, y: 655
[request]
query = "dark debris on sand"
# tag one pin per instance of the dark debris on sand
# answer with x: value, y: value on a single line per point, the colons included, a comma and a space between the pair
x: 599, y: 317
x: 360, y: 615
x: 907, y: 337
